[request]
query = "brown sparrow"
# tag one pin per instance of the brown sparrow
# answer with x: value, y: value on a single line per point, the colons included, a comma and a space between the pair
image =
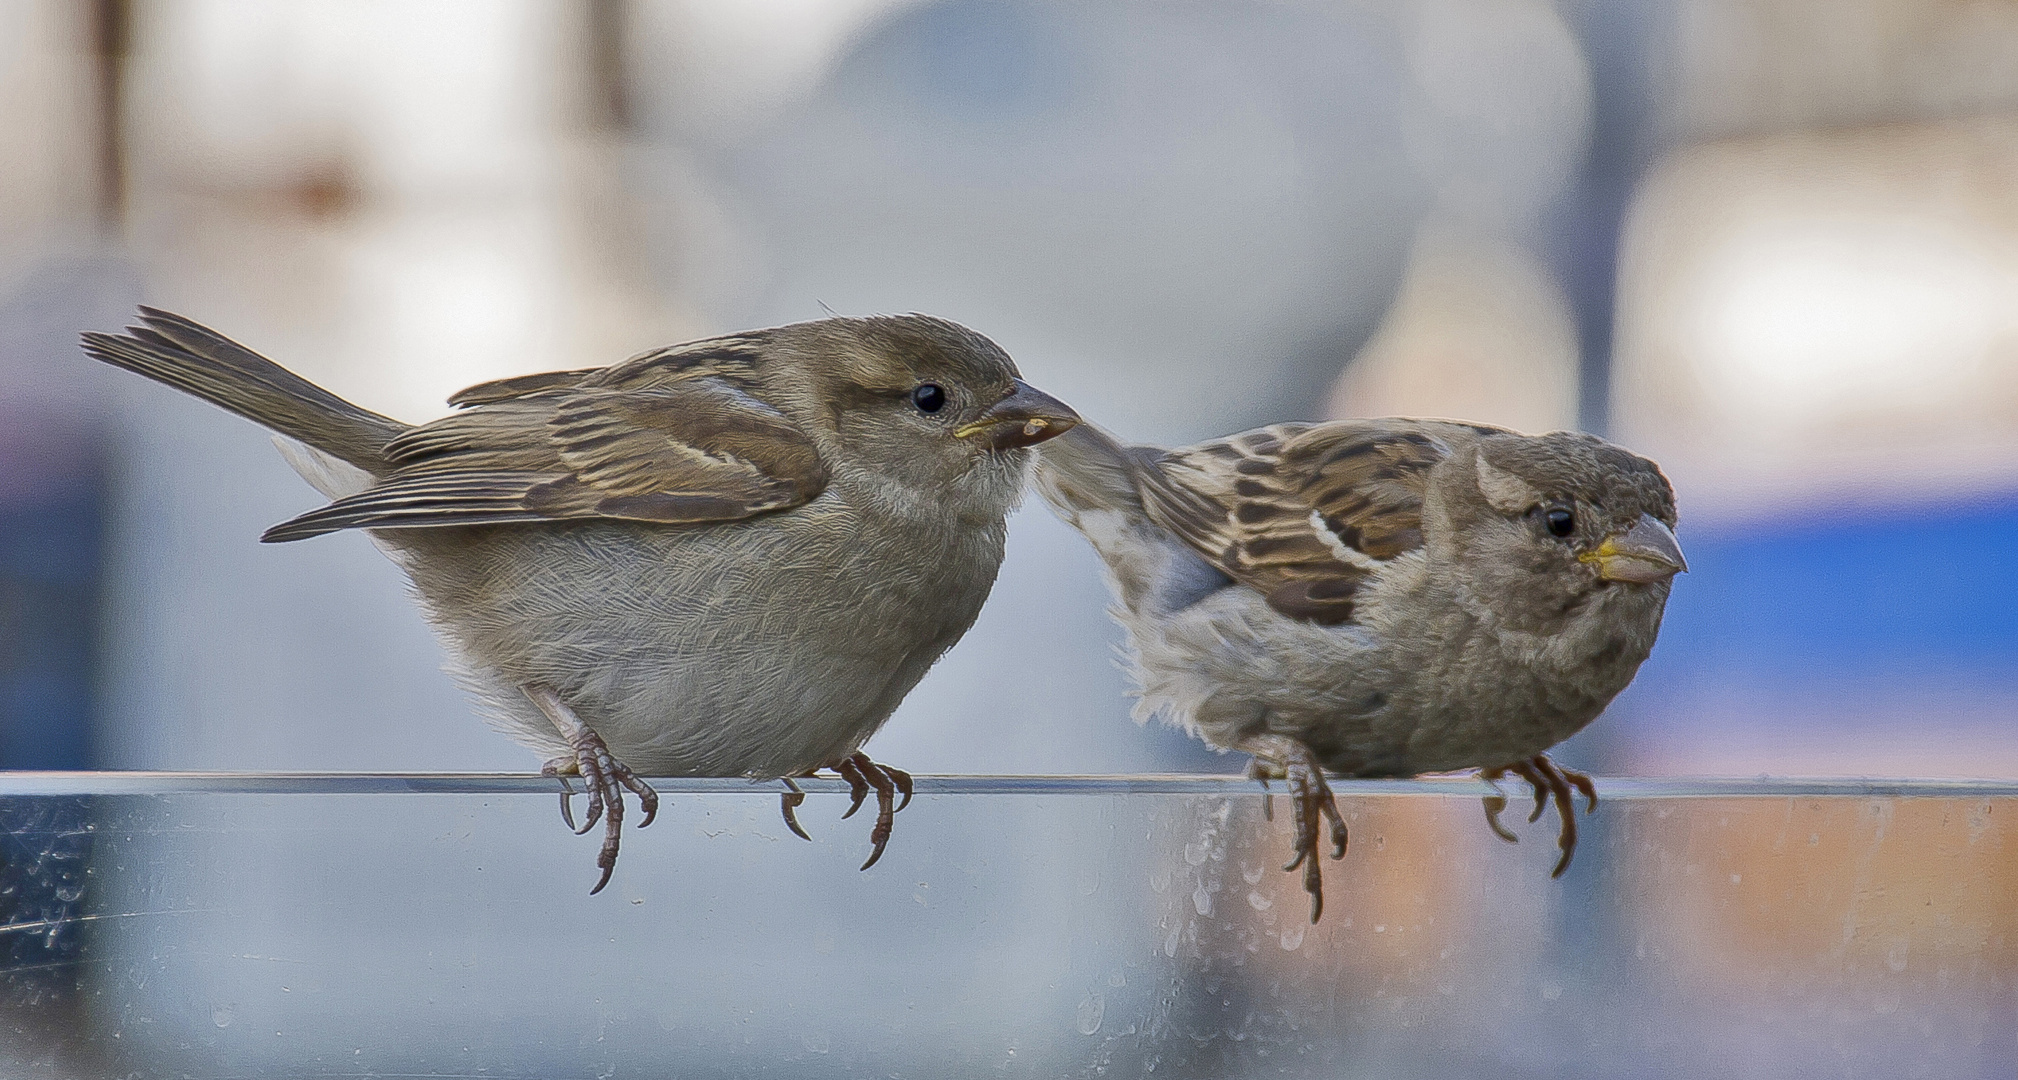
x: 1378, y: 597
x: 731, y: 557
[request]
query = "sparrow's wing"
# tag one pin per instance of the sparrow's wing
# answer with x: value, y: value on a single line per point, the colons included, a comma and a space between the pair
x: 1305, y: 514
x: 484, y: 393
x: 674, y: 446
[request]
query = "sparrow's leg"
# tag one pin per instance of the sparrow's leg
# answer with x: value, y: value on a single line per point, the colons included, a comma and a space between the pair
x: 605, y: 777
x: 1310, y: 801
x: 863, y: 775
x: 1548, y: 780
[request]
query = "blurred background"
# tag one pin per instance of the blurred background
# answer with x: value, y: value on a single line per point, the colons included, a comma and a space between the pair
x: 1772, y: 244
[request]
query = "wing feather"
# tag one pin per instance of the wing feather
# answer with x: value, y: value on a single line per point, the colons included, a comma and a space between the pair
x: 1303, y: 513
x: 671, y: 437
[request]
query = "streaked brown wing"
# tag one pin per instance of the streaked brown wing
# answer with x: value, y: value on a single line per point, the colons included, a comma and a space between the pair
x: 1303, y: 513
x: 681, y: 449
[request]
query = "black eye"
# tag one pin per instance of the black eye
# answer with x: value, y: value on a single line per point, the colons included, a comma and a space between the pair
x: 929, y: 398
x: 1560, y: 522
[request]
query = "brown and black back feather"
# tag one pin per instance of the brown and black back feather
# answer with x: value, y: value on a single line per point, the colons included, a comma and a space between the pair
x: 1303, y: 513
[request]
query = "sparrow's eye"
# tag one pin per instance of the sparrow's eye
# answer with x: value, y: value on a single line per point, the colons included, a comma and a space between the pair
x: 1560, y: 522
x: 929, y: 397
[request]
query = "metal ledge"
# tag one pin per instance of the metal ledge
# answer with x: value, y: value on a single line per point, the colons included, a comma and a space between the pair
x: 1620, y: 788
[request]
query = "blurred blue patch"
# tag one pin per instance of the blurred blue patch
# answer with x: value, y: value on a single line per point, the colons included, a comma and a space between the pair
x: 1894, y: 591
x: 50, y: 545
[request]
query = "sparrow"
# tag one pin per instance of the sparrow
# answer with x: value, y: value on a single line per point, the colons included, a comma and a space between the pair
x: 1378, y: 598
x: 730, y: 557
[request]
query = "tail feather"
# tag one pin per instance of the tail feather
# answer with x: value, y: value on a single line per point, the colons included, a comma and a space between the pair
x: 1091, y: 480
x: 197, y: 360
x: 1087, y: 469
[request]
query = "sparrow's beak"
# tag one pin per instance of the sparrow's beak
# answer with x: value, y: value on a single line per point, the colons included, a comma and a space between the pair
x: 1645, y: 553
x: 1026, y: 417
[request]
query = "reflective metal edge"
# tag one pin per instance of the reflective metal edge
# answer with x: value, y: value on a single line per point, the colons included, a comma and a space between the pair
x: 290, y: 783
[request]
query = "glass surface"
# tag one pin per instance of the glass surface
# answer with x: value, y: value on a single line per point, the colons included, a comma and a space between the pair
x: 162, y: 925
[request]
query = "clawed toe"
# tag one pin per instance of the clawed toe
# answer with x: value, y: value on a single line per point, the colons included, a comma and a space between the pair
x: 1548, y: 780
x: 788, y: 803
x: 863, y: 776
x: 605, y: 778
x: 1312, y: 809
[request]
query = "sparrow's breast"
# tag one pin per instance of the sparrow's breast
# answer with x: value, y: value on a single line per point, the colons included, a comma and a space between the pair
x: 765, y: 647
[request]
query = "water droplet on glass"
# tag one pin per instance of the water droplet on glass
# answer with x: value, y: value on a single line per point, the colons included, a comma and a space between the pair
x: 815, y: 1041
x: 1895, y: 957
x: 1194, y: 853
x: 1259, y: 902
x: 1292, y: 938
x: 1252, y: 875
x: 1090, y: 1013
x: 223, y: 1015
x: 1170, y: 943
x: 1160, y: 880
x: 1201, y: 899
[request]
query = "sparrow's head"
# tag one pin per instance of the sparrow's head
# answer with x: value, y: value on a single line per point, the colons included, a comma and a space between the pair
x: 919, y: 400
x: 1548, y: 523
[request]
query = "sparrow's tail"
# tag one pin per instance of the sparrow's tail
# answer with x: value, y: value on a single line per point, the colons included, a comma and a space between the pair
x: 1090, y: 479
x: 198, y: 360
x: 1086, y: 469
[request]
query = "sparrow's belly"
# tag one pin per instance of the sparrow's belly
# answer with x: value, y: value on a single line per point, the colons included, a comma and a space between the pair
x: 760, y: 648
x: 1455, y: 698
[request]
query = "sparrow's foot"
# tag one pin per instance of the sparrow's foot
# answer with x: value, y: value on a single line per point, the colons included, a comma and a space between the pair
x: 602, y: 774
x: 864, y: 776
x: 1310, y: 801
x: 1548, y: 779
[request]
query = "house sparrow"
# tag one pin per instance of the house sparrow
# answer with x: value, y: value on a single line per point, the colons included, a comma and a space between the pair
x: 1378, y: 597
x: 729, y: 557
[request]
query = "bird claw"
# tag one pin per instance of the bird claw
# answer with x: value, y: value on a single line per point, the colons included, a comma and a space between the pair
x: 606, y: 779
x: 1494, y: 805
x: 602, y: 774
x: 863, y: 776
x: 1311, y: 803
x: 789, y: 801
x: 1548, y: 780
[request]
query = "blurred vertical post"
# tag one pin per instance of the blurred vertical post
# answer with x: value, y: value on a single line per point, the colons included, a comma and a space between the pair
x: 111, y: 29
x: 609, y: 93
x: 1619, y: 42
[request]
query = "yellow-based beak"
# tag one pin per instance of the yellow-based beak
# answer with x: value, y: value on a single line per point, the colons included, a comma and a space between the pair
x: 1645, y: 553
x: 1026, y: 417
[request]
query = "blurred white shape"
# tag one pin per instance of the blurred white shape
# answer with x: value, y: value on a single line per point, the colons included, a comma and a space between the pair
x: 1807, y: 318
x: 732, y: 64
x: 445, y: 93
x: 1812, y: 317
x: 1479, y: 332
